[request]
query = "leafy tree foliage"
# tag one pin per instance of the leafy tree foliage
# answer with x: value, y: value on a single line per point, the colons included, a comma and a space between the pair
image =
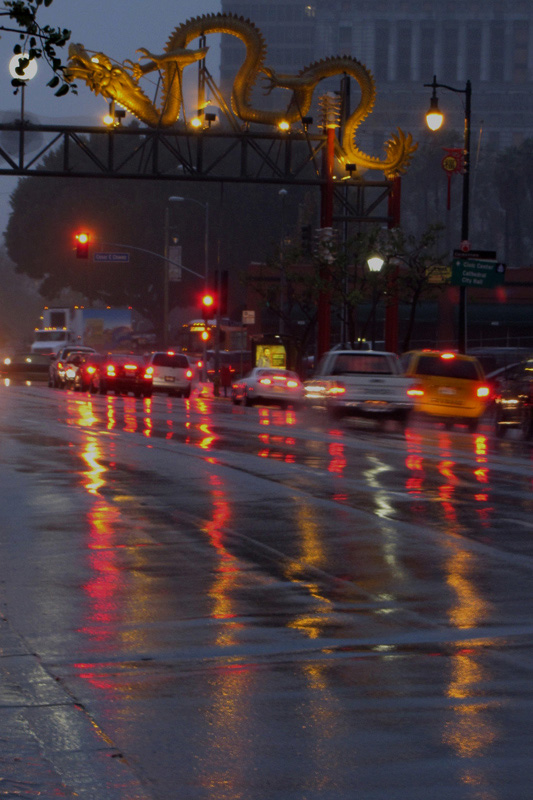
x: 38, y: 41
x: 244, y: 222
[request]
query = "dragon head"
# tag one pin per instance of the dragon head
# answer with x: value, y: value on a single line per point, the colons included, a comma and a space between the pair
x: 100, y: 73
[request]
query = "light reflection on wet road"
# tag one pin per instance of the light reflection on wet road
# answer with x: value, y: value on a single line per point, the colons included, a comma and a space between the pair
x: 256, y: 603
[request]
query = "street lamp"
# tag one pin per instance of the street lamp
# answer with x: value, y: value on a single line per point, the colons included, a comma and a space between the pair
x: 375, y: 264
x: 205, y: 206
x: 434, y: 119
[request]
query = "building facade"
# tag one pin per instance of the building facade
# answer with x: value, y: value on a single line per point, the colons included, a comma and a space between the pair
x: 404, y: 44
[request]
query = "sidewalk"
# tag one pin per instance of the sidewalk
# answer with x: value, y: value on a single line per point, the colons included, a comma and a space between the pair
x: 49, y: 746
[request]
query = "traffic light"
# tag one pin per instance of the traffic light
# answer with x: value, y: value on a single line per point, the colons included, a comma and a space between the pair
x: 82, y: 245
x: 208, y: 306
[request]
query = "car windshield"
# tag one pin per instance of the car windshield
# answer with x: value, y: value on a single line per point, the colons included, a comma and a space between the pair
x: 359, y: 363
x: 170, y: 360
x: 447, y: 368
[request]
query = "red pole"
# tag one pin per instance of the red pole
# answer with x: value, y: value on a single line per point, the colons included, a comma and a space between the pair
x: 326, y: 221
x: 391, y: 311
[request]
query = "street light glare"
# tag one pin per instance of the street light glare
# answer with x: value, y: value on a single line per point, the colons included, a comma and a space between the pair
x: 434, y: 119
x: 375, y: 263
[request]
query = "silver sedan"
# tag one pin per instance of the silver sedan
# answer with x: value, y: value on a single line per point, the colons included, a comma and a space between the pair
x: 267, y: 385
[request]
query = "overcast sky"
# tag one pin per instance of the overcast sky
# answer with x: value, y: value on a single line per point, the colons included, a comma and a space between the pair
x: 115, y: 27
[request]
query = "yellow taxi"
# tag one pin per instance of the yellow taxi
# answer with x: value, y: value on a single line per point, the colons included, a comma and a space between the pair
x: 449, y: 387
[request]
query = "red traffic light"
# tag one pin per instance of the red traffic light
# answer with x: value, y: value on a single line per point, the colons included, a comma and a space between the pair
x: 208, y: 306
x: 82, y: 244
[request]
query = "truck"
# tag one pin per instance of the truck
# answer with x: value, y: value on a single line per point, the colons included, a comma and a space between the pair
x: 362, y: 383
x: 104, y: 329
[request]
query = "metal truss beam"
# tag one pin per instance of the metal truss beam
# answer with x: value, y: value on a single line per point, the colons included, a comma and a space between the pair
x: 129, y: 153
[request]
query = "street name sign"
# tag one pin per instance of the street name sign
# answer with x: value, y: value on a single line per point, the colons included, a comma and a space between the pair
x: 484, y: 255
x: 482, y: 273
x: 122, y: 257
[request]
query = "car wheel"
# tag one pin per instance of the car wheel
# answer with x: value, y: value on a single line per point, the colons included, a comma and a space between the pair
x: 526, y: 423
x: 102, y: 389
x: 472, y: 424
x: 92, y: 388
x: 335, y: 413
x: 137, y: 393
x: 248, y: 401
x: 187, y: 392
x: 147, y: 393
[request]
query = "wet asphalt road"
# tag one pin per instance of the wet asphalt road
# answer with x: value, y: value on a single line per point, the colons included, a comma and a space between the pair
x: 202, y: 601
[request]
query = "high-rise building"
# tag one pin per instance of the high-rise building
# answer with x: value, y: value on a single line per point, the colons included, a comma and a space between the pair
x: 404, y: 44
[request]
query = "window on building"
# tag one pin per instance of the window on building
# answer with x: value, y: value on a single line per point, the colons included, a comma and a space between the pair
x: 403, y: 52
x: 473, y: 52
x: 345, y: 39
x: 497, y: 51
x: 381, y: 51
x: 427, y: 51
x: 520, y: 51
x: 450, y: 38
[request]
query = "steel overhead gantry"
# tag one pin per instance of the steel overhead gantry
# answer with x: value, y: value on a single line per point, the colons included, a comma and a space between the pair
x: 245, y: 156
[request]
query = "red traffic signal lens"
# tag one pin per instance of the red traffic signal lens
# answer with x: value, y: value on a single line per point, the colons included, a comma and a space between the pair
x: 82, y: 238
x: 208, y: 300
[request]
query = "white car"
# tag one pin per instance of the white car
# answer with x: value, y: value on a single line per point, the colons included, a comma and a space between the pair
x: 172, y: 373
x: 268, y: 385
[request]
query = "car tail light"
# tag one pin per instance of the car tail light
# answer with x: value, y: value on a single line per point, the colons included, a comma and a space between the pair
x: 447, y: 355
x: 337, y: 389
x: 91, y: 370
x: 130, y: 367
x: 415, y: 391
x: 149, y: 373
x: 483, y: 391
x: 110, y: 370
x: 265, y: 381
x: 292, y: 384
x: 189, y: 374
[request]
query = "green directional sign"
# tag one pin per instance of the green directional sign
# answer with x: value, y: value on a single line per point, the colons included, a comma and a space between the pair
x: 481, y: 273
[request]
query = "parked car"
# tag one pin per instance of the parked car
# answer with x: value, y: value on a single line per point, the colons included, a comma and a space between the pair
x: 79, y: 369
x: 122, y: 373
x: 56, y: 371
x: 268, y: 385
x: 450, y: 387
x: 514, y: 401
x: 172, y: 373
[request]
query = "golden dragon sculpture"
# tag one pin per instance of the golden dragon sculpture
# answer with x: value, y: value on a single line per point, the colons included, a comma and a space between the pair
x: 120, y: 82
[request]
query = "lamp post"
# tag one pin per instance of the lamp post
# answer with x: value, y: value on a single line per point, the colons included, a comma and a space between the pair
x: 282, y: 278
x: 165, y: 269
x: 375, y: 264
x: 434, y: 120
x: 23, y: 74
x: 205, y: 207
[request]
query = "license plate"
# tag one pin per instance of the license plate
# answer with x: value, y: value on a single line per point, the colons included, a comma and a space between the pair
x: 446, y: 390
x: 375, y: 403
x: 169, y: 378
